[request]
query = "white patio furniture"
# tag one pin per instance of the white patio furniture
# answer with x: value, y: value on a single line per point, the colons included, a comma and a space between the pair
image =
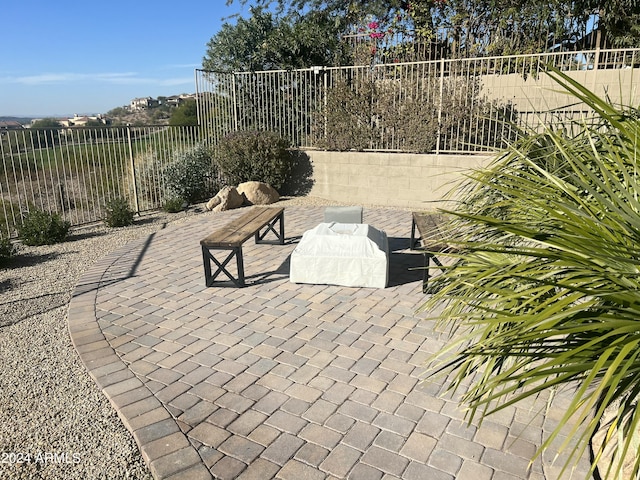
x: 346, y: 254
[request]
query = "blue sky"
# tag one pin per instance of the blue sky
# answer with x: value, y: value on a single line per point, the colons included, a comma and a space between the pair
x: 64, y: 57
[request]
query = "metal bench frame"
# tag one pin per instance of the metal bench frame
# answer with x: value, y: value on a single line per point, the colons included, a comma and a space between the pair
x: 258, y: 222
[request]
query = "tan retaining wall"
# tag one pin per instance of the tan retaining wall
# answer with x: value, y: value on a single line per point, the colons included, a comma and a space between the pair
x: 389, y: 179
x: 540, y: 93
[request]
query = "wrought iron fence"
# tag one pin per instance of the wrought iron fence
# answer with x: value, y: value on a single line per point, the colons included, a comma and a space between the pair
x: 447, y: 105
x: 460, y: 106
x: 74, y: 171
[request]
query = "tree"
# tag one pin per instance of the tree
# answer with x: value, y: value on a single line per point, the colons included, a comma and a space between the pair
x: 46, y: 132
x: 185, y: 114
x: 46, y: 123
x: 480, y: 27
x: 265, y: 42
x: 240, y: 47
x: 619, y: 20
x: 94, y: 123
x: 349, y: 12
x: 502, y: 27
x: 117, y: 112
x: 301, y: 41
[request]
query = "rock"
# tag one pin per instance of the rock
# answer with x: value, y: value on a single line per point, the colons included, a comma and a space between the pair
x: 258, y: 193
x: 229, y: 198
x: 214, y: 202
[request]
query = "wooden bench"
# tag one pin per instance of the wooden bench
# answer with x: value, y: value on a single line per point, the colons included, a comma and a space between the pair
x: 234, y: 234
x: 430, y: 239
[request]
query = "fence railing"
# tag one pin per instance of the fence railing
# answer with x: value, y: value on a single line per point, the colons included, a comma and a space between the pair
x: 459, y: 106
x: 75, y: 171
x: 447, y: 105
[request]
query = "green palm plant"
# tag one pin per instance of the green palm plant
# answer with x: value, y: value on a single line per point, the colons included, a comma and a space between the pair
x: 543, y: 291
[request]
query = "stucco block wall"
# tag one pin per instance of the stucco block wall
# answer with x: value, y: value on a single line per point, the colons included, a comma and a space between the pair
x: 416, y: 181
x: 540, y: 93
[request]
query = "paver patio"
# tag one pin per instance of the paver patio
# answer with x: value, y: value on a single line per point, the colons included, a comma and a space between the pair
x: 278, y: 380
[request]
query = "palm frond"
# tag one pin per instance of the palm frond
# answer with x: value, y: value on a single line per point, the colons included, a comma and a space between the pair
x: 543, y: 290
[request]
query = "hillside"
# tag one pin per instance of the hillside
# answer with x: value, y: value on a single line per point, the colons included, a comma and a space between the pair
x: 152, y: 116
x: 21, y: 120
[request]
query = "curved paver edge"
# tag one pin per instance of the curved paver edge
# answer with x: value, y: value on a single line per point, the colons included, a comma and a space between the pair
x: 164, y: 447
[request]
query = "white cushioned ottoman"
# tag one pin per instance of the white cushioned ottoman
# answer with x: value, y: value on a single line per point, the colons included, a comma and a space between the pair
x: 347, y: 254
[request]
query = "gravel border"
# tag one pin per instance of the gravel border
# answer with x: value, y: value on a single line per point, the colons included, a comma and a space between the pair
x: 55, y: 423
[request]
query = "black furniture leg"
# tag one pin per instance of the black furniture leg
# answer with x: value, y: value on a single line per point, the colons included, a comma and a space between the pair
x: 207, y: 257
x: 425, y: 277
x: 270, y: 227
x: 413, y: 242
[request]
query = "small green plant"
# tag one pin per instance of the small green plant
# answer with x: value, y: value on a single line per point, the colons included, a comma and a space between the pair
x: 8, y: 212
x: 43, y: 228
x: 191, y: 176
x: 6, y: 249
x: 117, y: 213
x: 174, y: 205
x: 255, y: 156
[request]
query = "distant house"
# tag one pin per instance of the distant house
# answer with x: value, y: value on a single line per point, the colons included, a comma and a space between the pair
x: 10, y: 125
x: 177, y: 100
x: 143, y: 103
x: 81, y: 121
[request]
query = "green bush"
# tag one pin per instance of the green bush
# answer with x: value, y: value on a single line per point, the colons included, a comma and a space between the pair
x: 42, y: 228
x: 255, y: 156
x: 174, y: 205
x: 7, y: 212
x: 117, y: 213
x: 6, y: 249
x: 191, y: 176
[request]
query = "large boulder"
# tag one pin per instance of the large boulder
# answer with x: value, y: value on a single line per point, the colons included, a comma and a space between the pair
x: 226, y: 199
x: 258, y: 193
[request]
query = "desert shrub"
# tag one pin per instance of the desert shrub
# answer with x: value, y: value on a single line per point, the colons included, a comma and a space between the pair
x: 409, y: 118
x: 43, y: 228
x: 117, y: 213
x: 174, y: 205
x: 255, y: 156
x: 8, y: 211
x: 191, y: 176
x: 6, y: 249
x: 368, y: 112
x: 344, y: 122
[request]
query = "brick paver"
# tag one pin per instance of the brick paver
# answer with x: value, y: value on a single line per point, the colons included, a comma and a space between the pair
x: 278, y: 380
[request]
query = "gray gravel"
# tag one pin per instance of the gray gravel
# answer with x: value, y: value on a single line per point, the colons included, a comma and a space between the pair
x: 54, y: 421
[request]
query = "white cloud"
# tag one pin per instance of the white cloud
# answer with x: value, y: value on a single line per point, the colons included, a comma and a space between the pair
x: 182, y: 66
x: 119, y: 78
x: 168, y: 82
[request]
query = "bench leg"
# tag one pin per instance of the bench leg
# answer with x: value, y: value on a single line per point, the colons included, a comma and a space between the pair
x: 240, y: 264
x: 413, y: 242
x: 209, y: 278
x: 425, y: 277
x: 270, y: 227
